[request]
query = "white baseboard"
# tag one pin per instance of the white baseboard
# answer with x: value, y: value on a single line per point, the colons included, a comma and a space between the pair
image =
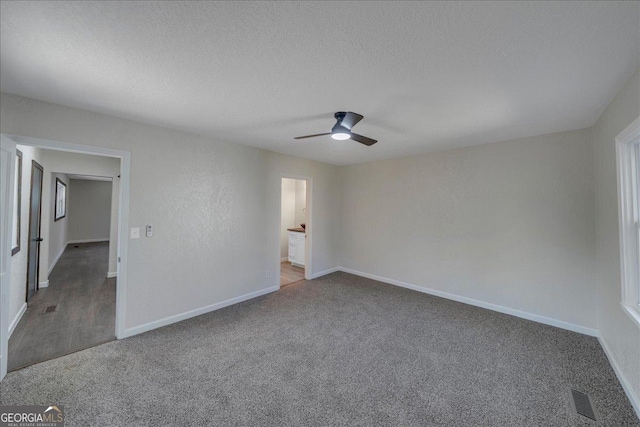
x: 325, y: 272
x: 635, y: 402
x: 197, y: 312
x: 284, y: 259
x: 112, y: 274
x: 16, y: 319
x: 55, y: 260
x: 43, y: 284
x: 499, y: 308
x: 71, y: 242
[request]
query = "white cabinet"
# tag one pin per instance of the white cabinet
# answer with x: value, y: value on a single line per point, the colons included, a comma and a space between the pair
x: 296, y: 248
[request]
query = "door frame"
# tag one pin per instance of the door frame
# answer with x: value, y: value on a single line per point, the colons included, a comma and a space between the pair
x: 34, y: 165
x: 5, y: 251
x: 123, y: 226
x: 308, y: 261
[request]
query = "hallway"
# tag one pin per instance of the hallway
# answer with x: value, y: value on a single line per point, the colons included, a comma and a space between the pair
x: 84, y: 313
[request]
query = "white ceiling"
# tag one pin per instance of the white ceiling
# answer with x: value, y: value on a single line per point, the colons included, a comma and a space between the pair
x: 426, y: 76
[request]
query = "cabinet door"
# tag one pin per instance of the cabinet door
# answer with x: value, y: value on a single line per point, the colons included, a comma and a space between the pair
x: 300, y: 251
x: 292, y: 249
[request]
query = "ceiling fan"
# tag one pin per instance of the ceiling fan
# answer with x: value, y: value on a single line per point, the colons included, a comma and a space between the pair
x: 342, y: 129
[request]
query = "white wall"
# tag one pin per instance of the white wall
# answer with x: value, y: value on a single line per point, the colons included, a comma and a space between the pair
x: 301, y: 200
x: 294, y: 199
x: 77, y: 164
x: 617, y: 331
x: 18, y: 287
x: 214, y: 205
x: 288, y: 212
x: 509, y: 223
x: 89, y: 210
x: 58, y: 230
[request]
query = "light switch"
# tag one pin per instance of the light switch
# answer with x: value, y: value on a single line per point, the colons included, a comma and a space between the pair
x: 149, y: 230
x: 135, y: 233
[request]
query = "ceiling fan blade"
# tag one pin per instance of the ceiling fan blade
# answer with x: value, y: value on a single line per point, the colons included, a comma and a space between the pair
x: 362, y: 139
x: 351, y: 119
x: 311, y: 136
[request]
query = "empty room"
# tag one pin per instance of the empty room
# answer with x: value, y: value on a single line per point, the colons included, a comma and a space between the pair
x: 320, y: 213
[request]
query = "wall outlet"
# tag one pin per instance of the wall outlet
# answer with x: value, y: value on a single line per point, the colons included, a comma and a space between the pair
x: 267, y: 274
x: 135, y: 233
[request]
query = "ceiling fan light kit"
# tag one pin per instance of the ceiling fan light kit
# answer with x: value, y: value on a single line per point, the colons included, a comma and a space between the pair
x: 341, y: 131
x: 340, y: 134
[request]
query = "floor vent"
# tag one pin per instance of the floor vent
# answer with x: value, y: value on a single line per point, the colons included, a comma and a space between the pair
x: 582, y: 404
x: 51, y: 309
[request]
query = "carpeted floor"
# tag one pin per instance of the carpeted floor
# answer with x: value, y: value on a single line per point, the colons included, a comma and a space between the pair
x: 339, y: 350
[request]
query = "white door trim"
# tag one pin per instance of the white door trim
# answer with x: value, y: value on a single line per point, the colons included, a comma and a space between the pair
x: 123, y: 213
x: 627, y: 165
x: 308, y: 265
x: 5, y: 251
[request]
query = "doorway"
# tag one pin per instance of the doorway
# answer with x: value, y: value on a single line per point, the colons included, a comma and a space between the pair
x: 294, y: 231
x: 70, y: 294
x: 11, y: 314
x: 34, y: 238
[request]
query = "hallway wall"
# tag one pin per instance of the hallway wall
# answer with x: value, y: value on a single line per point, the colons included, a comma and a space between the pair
x: 18, y: 287
x: 89, y: 210
x: 58, y: 230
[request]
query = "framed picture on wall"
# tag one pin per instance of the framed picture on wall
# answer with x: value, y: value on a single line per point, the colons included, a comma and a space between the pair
x: 61, y: 200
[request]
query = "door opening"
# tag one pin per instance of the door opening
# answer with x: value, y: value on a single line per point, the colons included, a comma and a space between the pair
x: 294, y: 230
x: 52, y: 224
x: 71, y: 288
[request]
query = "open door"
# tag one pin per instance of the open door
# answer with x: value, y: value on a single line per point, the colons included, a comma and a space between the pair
x: 35, y: 227
x: 7, y: 182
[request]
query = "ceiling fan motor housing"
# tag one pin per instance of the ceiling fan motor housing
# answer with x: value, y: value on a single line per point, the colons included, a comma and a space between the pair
x: 338, y: 128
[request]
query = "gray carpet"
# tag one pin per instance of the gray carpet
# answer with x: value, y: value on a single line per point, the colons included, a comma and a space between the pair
x: 339, y: 350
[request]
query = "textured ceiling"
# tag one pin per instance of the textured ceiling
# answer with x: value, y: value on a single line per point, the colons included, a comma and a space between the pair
x: 426, y: 76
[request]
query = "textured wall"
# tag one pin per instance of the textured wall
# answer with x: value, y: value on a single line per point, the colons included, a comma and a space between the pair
x: 58, y: 230
x: 294, y: 199
x: 508, y: 223
x: 89, y: 210
x: 288, y: 212
x: 215, y: 207
x: 617, y: 330
x: 301, y: 200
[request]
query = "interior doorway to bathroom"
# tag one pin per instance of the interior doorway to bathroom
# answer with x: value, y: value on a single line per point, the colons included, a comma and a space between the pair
x: 293, y: 231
